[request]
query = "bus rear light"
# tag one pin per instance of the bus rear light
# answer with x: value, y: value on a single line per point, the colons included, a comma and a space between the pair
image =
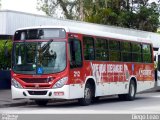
x: 58, y: 93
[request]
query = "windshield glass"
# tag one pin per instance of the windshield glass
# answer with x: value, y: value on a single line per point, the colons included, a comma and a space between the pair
x: 39, y: 57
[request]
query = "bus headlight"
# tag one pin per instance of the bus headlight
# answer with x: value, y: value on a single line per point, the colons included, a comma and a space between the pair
x: 15, y: 83
x: 60, y: 83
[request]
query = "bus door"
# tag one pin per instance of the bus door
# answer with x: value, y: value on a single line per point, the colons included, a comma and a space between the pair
x: 75, y: 59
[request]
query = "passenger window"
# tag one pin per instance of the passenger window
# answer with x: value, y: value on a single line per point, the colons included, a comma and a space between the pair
x: 101, y: 49
x: 113, y: 45
x: 147, y: 55
x: 114, y: 50
x: 136, y: 47
x: 88, y: 43
x: 136, y: 52
x: 126, y: 51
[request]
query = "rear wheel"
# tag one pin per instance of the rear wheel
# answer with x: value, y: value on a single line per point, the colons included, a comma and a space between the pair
x: 41, y: 102
x: 131, y: 93
x: 88, y: 94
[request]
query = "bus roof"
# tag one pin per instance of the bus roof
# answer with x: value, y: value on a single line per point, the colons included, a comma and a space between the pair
x: 94, y: 31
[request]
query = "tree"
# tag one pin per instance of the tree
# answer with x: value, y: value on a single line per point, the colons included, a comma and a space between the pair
x: 112, y: 12
x: 68, y: 8
x: 5, y: 51
x: 136, y: 14
x: 147, y: 18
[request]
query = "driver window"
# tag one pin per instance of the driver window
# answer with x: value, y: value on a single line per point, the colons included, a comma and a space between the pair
x: 75, y: 53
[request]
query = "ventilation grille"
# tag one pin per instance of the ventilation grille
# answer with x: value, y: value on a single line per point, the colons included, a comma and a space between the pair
x: 37, y: 92
x: 36, y: 80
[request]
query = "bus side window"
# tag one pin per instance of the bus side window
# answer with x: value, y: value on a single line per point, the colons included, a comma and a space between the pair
x: 136, y: 52
x: 75, y: 53
x: 126, y: 52
x: 88, y: 46
x: 101, y: 49
x: 147, y: 53
x: 114, y: 50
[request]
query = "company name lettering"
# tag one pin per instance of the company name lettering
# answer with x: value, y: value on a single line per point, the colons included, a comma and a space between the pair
x: 145, y: 72
x: 111, y: 68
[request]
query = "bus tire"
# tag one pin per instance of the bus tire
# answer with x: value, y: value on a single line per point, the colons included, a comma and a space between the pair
x: 131, y: 92
x: 41, y: 102
x: 88, y: 93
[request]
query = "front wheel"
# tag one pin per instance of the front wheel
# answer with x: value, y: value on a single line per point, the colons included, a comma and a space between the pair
x: 88, y: 93
x: 41, y: 102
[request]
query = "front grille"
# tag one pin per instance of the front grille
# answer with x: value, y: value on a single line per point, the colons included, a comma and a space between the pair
x: 37, y: 92
x: 36, y: 80
x: 46, y: 86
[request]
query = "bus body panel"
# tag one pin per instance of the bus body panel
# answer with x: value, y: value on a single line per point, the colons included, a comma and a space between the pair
x: 144, y: 85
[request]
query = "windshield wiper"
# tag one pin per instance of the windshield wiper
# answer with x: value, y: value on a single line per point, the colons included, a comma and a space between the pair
x: 46, y: 46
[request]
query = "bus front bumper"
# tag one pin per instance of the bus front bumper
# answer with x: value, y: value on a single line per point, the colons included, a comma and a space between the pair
x: 59, y: 93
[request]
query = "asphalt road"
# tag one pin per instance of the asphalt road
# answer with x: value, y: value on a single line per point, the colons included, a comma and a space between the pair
x: 144, y: 103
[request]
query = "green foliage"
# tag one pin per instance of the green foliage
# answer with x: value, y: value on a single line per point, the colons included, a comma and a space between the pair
x: 158, y: 32
x: 66, y: 7
x: 136, y: 14
x: 5, y: 54
x: 140, y: 14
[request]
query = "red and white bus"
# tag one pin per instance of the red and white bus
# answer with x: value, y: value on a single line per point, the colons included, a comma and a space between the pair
x: 59, y: 62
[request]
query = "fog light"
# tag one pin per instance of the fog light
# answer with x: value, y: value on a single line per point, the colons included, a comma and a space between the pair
x: 50, y: 93
x: 24, y: 94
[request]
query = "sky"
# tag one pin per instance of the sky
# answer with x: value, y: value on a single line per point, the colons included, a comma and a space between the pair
x: 28, y: 6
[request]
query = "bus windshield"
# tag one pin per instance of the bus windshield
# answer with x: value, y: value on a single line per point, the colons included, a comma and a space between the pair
x: 39, y: 57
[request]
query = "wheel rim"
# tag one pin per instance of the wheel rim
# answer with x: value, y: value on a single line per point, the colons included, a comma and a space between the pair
x: 132, y: 90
